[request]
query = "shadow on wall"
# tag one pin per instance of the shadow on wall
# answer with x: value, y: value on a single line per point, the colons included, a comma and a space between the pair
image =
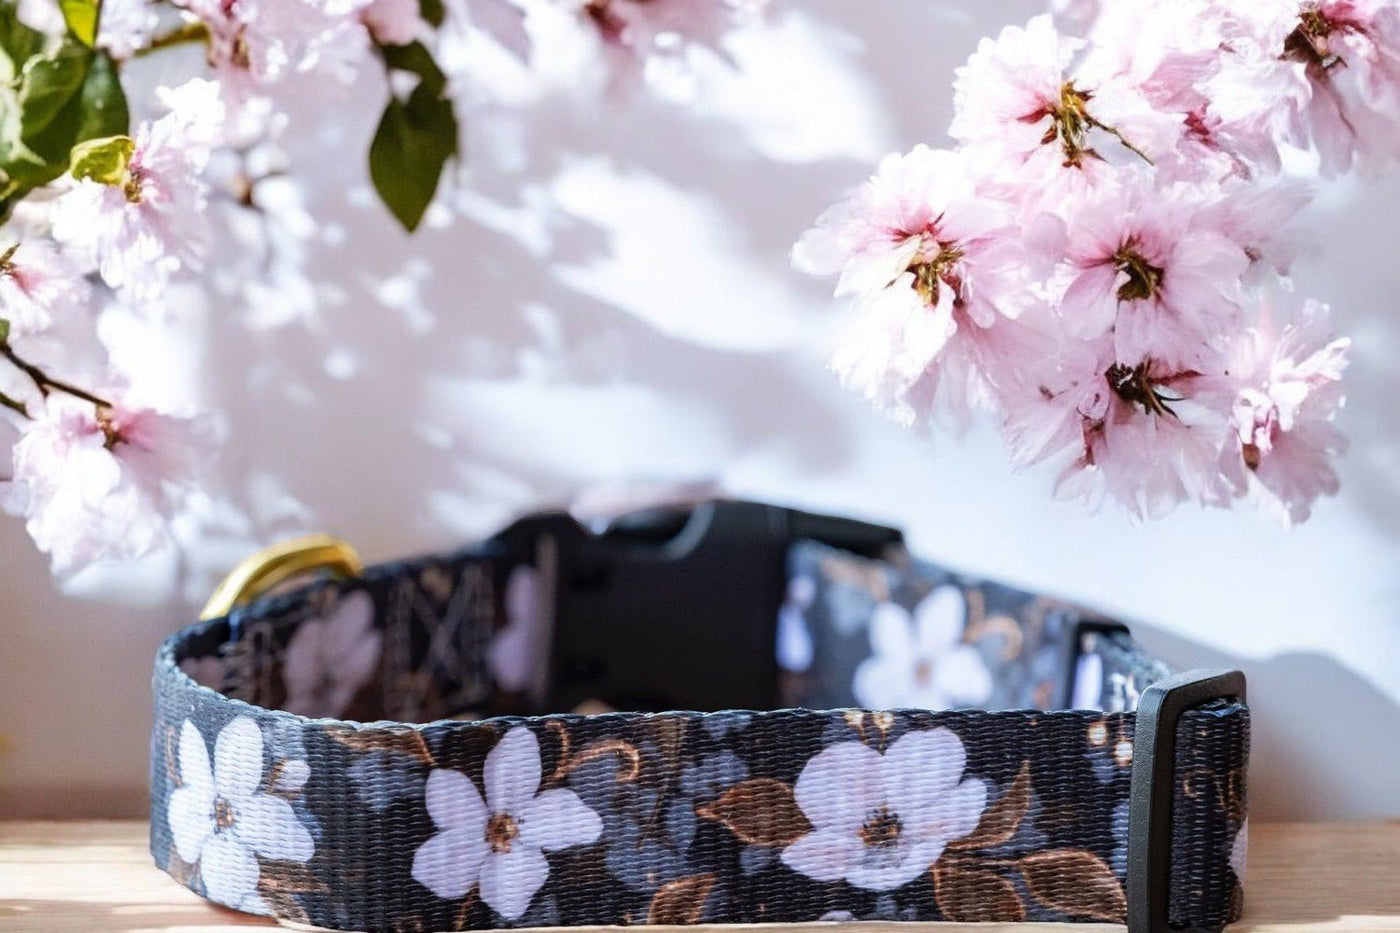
x: 1315, y: 753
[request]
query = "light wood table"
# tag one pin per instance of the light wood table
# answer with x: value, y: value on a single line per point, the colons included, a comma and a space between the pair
x: 98, y: 876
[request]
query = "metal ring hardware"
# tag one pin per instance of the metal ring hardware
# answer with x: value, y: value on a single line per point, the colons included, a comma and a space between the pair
x: 275, y: 565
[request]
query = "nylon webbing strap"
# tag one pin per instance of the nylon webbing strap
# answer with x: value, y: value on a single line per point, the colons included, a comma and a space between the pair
x: 303, y: 767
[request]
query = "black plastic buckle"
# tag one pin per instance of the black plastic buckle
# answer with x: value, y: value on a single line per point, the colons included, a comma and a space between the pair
x: 1159, y: 710
x: 676, y: 608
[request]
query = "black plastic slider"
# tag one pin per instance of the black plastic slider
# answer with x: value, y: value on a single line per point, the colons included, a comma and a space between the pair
x: 1150, y: 805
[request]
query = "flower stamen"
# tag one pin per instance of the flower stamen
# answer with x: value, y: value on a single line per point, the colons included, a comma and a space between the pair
x: 1144, y: 279
x: 224, y: 815
x: 1136, y: 386
x: 882, y: 829
x: 501, y: 831
x: 942, y: 268
x: 1309, y: 42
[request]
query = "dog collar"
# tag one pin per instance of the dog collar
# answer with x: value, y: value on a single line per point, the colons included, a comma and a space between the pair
x: 767, y: 724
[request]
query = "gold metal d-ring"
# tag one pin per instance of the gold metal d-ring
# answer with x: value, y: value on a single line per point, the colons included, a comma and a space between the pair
x: 279, y: 563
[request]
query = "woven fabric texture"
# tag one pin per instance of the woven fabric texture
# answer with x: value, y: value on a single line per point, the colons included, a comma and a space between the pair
x: 288, y: 777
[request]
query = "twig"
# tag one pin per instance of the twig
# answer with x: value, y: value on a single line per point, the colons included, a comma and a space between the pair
x: 185, y: 33
x: 46, y: 383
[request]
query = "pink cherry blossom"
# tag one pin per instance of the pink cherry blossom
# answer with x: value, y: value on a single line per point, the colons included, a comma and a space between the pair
x: 1284, y: 390
x: 570, y: 38
x: 1170, y: 53
x: 639, y: 24
x: 1350, y: 50
x: 255, y: 43
x: 1135, y: 434
x: 1019, y: 107
x: 1152, y: 268
x: 151, y: 225
x: 393, y: 22
x: 1324, y: 73
x: 101, y: 483
x: 126, y: 26
x: 927, y: 256
x: 36, y: 282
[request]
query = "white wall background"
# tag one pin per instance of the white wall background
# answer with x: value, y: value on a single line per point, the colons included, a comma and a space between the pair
x: 617, y: 302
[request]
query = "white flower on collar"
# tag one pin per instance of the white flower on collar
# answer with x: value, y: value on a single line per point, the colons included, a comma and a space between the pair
x: 500, y: 843
x: 517, y: 653
x: 879, y: 821
x: 919, y: 660
x: 328, y: 660
x: 222, y: 821
x: 1239, y: 851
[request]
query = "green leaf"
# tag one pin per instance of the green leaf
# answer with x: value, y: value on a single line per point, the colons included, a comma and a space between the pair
x: 4, y: 330
x: 104, y: 109
x: 81, y: 17
x: 18, y: 42
x: 415, y: 138
x: 413, y: 143
x: 65, y: 94
x: 49, y: 83
x: 103, y: 160
x: 432, y: 11
x: 415, y: 59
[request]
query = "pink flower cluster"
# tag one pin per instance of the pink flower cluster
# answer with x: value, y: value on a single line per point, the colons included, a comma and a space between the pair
x: 1100, y: 262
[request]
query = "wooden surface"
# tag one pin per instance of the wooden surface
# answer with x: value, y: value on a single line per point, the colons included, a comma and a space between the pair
x: 98, y: 877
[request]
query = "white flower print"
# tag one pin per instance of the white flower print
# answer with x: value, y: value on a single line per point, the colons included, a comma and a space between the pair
x: 919, y: 660
x: 879, y: 821
x: 222, y: 821
x: 328, y: 660
x: 517, y: 653
x: 1239, y: 850
x: 500, y: 843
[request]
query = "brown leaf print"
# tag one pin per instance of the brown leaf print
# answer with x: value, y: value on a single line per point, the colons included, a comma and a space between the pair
x: 975, y: 895
x: 280, y: 882
x: 681, y: 901
x: 761, y: 812
x: 1076, y: 882
x: 178, y: 868
x: 1001, y: 820
x: 403, y: 741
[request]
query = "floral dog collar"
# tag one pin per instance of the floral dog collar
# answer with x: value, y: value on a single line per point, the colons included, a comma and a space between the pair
x: 785, y: 753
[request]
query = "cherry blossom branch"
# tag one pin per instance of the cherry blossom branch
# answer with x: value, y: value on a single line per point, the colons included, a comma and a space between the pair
x: 184, y: 34
x: 14, y: 404
x: 1116, y: 134
x: 44, y: 383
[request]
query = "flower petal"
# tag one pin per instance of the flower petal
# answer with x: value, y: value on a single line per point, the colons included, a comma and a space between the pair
x: 191, y: 817
x: 454, y: 802
x: 450, y: 863
x: 953, y: 815
x: 269, y: 826
x: 238, y: 758
x: 836, y: 788
x: 510, y: 879
x: 920, y: 767
x: 195, y: 772
x: 558, y: 819
x: 891, y: 631
x: 512, y: 772
x: 825, y: 854
x: 1090, y: 304
x: 939, y: 619
x: 885, y: 682
x: 886, y: 875
x: 962, y: 676
x: 229, y: 870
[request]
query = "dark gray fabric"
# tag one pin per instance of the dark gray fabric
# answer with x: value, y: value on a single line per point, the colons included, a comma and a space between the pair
x: 345, y: 818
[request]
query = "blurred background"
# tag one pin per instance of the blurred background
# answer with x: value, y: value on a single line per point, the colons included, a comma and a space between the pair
x: 605, y: 295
